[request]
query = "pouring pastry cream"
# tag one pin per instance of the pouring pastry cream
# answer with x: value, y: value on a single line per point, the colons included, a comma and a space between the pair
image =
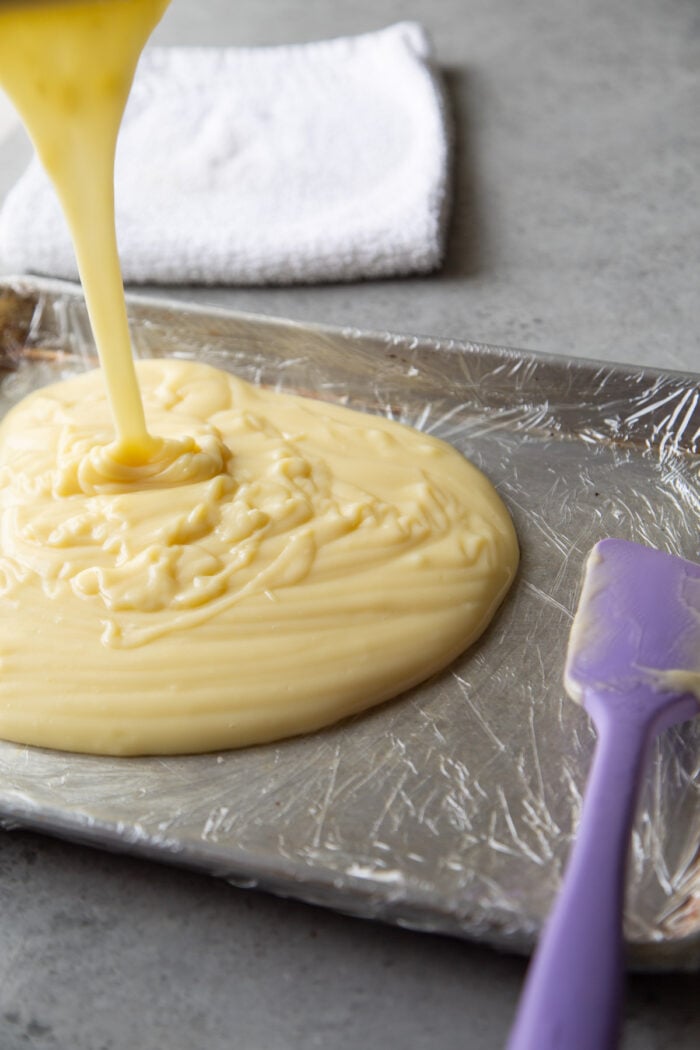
x: 230, y: 565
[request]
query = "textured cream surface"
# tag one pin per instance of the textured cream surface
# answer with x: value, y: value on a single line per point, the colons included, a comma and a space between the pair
x: 332, y: 560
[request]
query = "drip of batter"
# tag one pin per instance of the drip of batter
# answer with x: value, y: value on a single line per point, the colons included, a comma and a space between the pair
x: 69, y: 67
x: 264, y: 564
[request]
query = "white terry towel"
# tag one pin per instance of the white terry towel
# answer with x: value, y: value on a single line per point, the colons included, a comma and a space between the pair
x: 309, y: 162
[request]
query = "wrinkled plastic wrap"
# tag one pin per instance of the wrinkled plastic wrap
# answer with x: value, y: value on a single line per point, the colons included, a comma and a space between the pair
x: 451, y: 808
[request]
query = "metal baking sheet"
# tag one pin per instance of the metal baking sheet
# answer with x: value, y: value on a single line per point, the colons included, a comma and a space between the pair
x: 453, y: 807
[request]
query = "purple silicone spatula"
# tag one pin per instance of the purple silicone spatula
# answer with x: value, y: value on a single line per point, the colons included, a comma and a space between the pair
x: 634, y: 663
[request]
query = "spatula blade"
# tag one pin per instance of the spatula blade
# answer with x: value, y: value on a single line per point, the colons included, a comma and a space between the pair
x: 637, y: 623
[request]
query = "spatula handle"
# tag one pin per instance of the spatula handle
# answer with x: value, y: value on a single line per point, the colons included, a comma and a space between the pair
x: 573, y: 992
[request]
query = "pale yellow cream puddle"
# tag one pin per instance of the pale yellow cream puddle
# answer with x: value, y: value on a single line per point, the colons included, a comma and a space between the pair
x: 250, y: 565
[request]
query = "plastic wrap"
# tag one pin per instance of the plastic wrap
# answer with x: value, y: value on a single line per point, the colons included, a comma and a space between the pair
x: 451, y: 808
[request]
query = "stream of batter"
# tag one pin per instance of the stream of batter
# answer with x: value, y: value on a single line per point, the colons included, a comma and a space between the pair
x: 247, y: 566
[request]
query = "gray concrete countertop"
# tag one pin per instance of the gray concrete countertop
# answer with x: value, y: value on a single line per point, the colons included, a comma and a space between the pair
x: 575, y: 229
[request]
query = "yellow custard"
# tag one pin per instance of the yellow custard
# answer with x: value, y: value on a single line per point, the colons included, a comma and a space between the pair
x: 335, y: 560
x: 251, y: 565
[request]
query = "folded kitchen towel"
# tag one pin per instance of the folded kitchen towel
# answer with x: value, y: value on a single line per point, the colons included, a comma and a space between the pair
x: 302, y: 163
